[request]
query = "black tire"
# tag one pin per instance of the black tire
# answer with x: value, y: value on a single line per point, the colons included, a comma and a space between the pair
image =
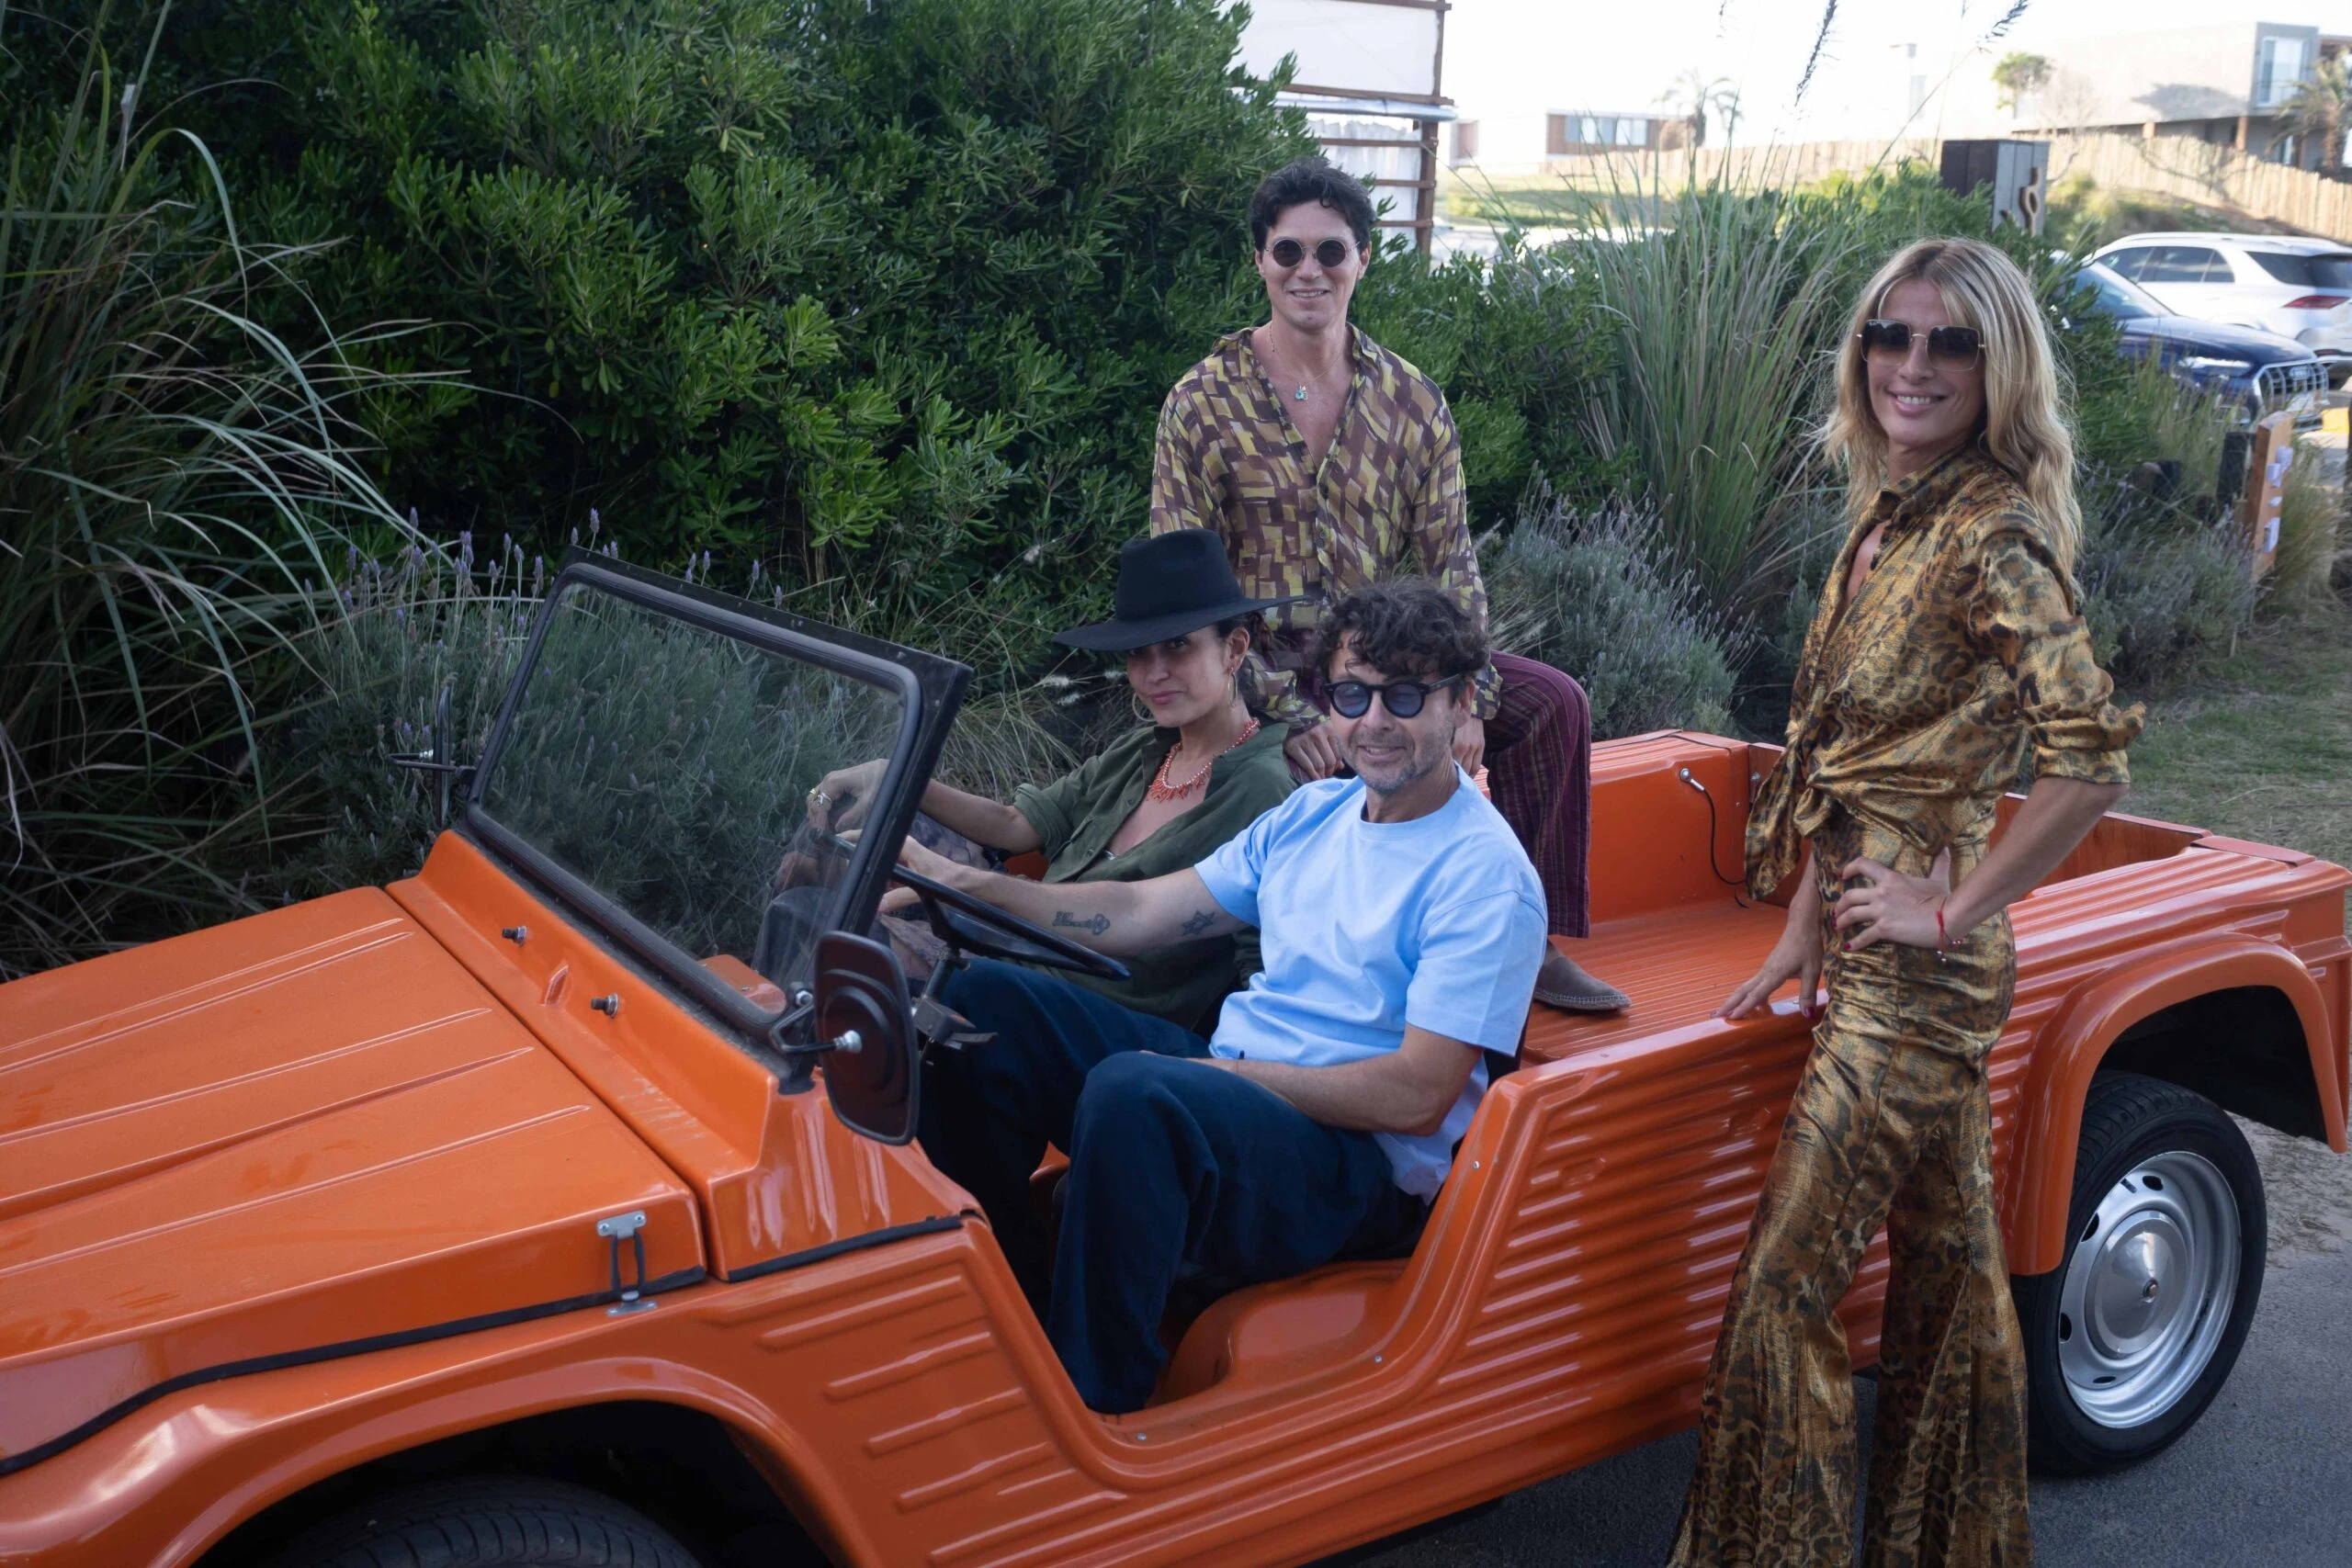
x: 2161, y: 1177
x: 492, y: 1521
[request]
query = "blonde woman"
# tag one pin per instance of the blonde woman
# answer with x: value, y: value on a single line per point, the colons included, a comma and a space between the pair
x: 1947, y: 647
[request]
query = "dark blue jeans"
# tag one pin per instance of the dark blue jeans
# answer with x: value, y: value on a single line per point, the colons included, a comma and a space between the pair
x: 1171, y: 1164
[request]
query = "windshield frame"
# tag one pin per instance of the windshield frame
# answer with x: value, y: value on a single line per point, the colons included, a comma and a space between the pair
x: 929, y: 690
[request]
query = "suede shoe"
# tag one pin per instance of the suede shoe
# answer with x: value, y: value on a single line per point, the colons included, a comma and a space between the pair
x: 1563, y: 983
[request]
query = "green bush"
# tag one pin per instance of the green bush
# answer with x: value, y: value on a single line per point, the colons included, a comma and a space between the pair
x: 1521, y: 344
x: 1592, y: 594
x: 176, y: 484
x: 882, y: 294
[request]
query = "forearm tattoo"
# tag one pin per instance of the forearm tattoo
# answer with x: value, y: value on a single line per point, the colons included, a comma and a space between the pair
x: 1197, y: 922
x: 1096, y: 924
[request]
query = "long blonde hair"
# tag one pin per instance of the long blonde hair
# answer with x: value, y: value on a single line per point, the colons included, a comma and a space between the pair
x: 2024, y: 425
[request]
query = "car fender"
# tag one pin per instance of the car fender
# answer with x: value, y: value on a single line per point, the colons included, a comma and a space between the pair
x: 2083, y: 1028
x: 163, y: 1488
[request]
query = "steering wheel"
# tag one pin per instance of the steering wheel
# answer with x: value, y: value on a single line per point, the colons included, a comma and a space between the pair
x: 975, y: 925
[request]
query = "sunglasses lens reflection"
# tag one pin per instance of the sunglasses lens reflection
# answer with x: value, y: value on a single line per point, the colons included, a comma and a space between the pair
x: 1290, y: 253
x: 1891, y: 341
x: 1353, y: 699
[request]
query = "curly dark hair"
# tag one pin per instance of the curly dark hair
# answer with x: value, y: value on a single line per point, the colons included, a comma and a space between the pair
x: 1408, y: 627
x: 1316, y: 180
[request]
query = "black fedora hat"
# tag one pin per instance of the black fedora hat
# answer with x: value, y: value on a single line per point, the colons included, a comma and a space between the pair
x: 1169, y: 584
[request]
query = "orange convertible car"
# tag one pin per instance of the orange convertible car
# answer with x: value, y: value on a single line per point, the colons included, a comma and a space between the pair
x: 536, y: 1203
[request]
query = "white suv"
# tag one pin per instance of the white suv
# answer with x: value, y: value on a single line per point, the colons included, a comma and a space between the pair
x: 2277, y: 283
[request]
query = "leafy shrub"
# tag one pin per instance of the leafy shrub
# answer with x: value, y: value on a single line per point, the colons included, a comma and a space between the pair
x: 840, y: 288
x: 175, y: 485
x: 423, y: 623
x: 1521, y: 344
x: 1590, y: 594
x: 2159, y: 589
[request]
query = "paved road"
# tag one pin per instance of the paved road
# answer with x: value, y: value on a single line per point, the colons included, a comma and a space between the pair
x: 2263, y: 1479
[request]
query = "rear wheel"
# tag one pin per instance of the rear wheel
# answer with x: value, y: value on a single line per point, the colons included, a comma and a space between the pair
x: 508, y: 1521
x: 2130, y: 1338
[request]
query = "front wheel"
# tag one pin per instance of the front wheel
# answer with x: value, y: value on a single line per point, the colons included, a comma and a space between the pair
x: 2129, y: 1340
x: 510, y: 1522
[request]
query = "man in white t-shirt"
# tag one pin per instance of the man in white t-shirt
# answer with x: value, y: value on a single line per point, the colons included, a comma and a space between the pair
x: 1401, y: 926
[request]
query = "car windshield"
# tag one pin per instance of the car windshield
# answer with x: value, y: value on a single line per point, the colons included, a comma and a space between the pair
x: 666, y: 765
x: 2118, y: 298
x: 2332, y: 270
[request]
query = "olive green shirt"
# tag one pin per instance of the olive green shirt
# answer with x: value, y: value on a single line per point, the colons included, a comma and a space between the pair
x: 1076, y: 816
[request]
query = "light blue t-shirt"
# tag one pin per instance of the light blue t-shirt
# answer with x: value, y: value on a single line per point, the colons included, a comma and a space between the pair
x: 1366, y: 927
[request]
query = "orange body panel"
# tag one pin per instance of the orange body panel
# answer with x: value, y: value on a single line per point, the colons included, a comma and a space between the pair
x: 1559, y: 1309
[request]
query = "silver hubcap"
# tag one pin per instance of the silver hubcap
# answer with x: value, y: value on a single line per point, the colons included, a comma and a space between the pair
x: 2149, y: 1289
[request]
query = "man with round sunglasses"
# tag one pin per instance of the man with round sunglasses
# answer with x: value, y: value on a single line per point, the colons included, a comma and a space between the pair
x: 1399, y: 924
x: 1327, y: 464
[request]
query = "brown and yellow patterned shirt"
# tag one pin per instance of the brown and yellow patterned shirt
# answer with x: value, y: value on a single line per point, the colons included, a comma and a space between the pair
x: 1386, y: 500
x: 1915, y: 704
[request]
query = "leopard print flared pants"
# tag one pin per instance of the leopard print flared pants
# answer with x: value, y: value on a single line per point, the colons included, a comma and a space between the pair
x: 1890, y: 1125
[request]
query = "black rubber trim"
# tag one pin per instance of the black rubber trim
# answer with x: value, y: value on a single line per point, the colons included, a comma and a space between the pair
x: 107, y: 1417
x: 882, y: 1237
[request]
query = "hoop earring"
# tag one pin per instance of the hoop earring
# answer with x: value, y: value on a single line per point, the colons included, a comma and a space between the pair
x: 1134, y: 706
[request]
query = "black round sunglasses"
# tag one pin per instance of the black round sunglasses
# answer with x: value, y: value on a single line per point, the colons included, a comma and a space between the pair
x: 1290, y: 253
x: 1403, y: 699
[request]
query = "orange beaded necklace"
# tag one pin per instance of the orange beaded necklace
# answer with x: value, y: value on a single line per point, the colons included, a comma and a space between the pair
x: 1161, y: 789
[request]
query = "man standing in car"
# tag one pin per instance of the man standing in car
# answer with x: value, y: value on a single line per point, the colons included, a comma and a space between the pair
x: 1327, y: 464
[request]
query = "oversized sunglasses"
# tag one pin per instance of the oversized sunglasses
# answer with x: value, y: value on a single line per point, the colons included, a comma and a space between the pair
x: 1290, y: 253
x: 1955, y: 348
x: 1353, y: 699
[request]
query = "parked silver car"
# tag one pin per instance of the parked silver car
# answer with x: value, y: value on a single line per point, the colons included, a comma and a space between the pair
x: 2296, y: 287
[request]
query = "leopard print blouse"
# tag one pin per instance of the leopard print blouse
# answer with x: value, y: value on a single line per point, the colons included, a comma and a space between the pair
x: 1914, y: 704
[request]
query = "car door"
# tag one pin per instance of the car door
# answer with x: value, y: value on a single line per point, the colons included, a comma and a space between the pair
x: 2189, y: 280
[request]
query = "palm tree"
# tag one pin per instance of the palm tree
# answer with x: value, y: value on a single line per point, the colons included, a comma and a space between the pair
x: 1694, y: 96
x: 2321, y: 111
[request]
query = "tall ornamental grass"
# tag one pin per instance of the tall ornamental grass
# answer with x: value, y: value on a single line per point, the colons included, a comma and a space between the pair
x: 174, y: 482
x: 1724, y: 308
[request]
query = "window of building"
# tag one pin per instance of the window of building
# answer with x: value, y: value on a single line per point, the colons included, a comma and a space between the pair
x: 2278, y: 65
x: 1632, y: 132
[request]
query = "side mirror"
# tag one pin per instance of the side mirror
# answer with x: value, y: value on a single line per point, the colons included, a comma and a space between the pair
x: 865, y: 1027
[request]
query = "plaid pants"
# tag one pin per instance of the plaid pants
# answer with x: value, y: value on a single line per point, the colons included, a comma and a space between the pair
x: 1539, y: 769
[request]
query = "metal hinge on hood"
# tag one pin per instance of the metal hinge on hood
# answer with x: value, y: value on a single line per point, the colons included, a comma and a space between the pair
x: 628, y: 1227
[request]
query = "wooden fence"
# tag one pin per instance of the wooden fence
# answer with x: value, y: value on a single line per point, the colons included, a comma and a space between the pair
x: 2211, y: 174
x: 2201, y: 171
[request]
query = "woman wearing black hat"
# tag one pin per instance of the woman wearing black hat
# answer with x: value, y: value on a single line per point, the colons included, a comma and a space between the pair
x: 1159, y: 799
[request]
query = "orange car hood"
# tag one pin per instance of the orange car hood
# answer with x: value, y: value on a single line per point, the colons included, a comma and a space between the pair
x: 307, y: 1134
